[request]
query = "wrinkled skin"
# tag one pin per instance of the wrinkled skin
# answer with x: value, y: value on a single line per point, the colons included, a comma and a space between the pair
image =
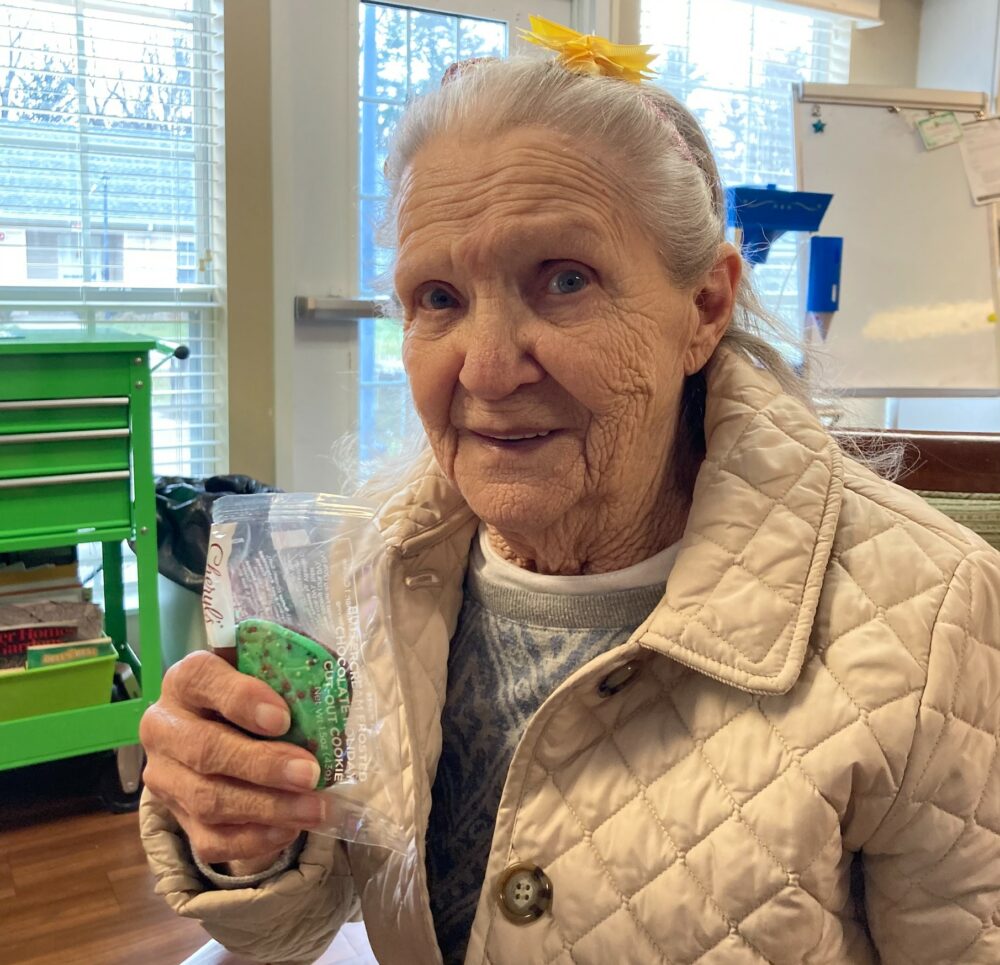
x: 238, y: 799
x: 534, y: 301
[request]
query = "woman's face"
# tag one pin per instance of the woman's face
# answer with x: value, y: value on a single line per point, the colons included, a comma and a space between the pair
x: 545, y: 345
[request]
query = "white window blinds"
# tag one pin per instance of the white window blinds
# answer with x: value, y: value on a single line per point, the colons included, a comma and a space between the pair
x: 733, y: 63
x: 112, y: 195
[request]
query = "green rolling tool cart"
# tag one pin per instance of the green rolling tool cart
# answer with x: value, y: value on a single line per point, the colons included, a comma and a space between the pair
x: 76, y: 466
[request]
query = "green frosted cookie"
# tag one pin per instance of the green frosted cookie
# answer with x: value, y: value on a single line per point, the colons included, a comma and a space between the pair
x: 315, y: 684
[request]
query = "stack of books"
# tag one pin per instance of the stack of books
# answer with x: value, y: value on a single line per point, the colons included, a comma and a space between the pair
x: 47, y: 574
x: 46, y: 617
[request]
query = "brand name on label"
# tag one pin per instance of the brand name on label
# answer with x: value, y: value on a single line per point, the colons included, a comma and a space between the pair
x: 216, y: 596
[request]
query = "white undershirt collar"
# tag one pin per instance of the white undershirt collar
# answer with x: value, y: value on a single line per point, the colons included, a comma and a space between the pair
x: 493, y: 568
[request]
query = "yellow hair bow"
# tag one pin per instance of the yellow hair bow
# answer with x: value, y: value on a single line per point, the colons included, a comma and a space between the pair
x: 588, y: 54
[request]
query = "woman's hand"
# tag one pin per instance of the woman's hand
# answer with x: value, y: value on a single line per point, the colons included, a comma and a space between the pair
x: 239, y: 800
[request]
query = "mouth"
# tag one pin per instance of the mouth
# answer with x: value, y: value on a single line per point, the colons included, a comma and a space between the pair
x: 522, y: 439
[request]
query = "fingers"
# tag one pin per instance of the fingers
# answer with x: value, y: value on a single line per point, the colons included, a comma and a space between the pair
x: 203, y: 682
x: 212, y: 801
x: 251, y: 847
x: 238, y: 799
x: 210, y: 747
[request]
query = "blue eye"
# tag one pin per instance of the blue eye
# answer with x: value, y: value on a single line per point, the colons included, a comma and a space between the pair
x: 568, y: 282
x: 437, y: 299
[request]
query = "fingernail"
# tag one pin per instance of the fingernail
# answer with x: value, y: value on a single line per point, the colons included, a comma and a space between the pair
x: 273, y: 719
x: 311, y: 810
x: 302, y: 773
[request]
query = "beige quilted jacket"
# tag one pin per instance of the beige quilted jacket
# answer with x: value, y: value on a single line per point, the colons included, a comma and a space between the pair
x: 805, y: 768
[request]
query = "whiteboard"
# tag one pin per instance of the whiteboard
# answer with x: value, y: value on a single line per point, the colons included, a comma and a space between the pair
x: 919, y: 272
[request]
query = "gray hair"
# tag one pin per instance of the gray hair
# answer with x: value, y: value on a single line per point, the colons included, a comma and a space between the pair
x: 671, y: 175
x: 671, y: 172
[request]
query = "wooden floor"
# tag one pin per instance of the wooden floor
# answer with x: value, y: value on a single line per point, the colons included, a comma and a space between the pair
x: 75, y: 888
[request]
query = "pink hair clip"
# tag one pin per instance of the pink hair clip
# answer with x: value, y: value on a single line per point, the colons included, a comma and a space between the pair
x: 675, y: 135
x: 459, y: 67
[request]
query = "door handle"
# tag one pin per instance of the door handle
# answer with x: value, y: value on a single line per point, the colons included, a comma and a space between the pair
x: 314, y: 309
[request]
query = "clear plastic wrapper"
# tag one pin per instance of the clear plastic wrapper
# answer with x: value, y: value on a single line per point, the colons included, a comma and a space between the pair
x: 292, y: 596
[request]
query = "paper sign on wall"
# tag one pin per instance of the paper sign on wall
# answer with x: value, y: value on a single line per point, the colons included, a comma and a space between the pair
x: 981, y: 153
x: 938, y: 130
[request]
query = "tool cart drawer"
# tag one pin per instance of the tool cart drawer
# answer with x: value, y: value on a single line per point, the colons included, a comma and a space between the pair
x: 70, y: 502
x: 64, y: 415
x: 63, y: 376
x: 62, y: 453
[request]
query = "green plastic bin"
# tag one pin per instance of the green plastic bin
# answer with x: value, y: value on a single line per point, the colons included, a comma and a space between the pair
x: 47, y: 690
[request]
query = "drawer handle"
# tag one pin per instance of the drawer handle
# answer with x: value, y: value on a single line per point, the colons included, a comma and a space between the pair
x: 73, y: 477
x: 13, y: 438
x: 104, y: 400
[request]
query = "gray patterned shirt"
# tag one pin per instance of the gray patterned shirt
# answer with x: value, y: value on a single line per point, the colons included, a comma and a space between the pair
x: 512, y: 648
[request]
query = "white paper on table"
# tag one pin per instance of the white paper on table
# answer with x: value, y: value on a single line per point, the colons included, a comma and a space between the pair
x: 981, y: 154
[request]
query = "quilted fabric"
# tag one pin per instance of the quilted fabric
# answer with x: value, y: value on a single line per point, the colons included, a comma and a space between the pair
x: 805, y: 770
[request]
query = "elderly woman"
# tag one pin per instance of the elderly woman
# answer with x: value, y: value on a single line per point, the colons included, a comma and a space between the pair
x: 682, y: 682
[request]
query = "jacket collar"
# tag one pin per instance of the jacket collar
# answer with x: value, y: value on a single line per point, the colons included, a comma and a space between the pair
x: 741, y: 598
x: 427, y: 510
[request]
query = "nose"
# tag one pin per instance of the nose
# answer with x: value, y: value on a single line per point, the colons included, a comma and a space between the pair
x: 497, y: 359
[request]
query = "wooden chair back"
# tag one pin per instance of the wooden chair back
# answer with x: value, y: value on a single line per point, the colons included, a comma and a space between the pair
x: 943, y: 462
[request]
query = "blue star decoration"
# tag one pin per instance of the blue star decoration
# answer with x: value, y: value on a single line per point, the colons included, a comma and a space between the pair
x: 819, y: 126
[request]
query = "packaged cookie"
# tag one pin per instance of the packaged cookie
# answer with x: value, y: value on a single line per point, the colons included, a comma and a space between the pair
x: 291, y: 597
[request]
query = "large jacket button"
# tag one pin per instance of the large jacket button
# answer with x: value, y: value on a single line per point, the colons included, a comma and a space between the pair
x: 618, y: 679
x: 525, y: 893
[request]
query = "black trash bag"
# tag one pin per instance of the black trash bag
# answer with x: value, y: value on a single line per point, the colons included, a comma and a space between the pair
x: 184, y: 519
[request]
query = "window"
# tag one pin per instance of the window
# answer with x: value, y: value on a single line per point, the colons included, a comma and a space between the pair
x: 52, y: 255
x: 733, y: 63
x: 403, y: 52
x: 186, y: 262
x: 111, y: 192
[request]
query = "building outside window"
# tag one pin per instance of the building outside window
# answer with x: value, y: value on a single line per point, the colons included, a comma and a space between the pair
x: 54, y: 255
x: 187, y: 262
